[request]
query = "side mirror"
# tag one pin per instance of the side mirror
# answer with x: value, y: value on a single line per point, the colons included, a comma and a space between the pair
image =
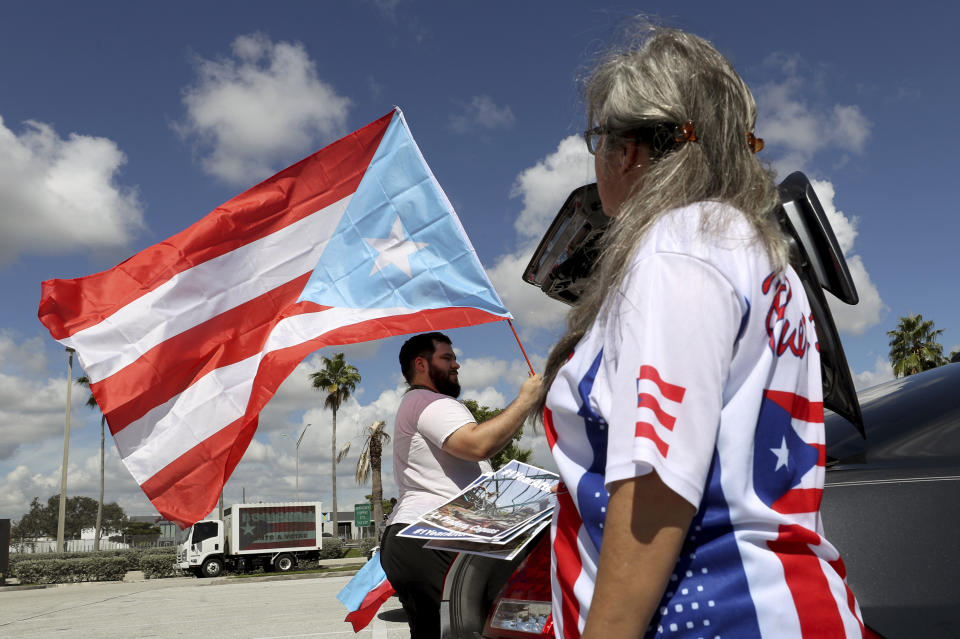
x: 570, y: 247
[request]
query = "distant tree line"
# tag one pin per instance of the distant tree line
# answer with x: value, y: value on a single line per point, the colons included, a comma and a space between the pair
x: 81, y: 514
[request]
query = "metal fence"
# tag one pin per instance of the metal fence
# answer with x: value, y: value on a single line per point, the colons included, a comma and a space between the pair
x: 83, y: 545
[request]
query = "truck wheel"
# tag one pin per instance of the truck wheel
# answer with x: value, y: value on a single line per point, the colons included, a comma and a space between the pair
x: 284, y: 563
x: 212, y: 567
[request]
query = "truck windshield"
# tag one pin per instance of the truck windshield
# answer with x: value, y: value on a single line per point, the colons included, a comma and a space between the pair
x: 203, y: 530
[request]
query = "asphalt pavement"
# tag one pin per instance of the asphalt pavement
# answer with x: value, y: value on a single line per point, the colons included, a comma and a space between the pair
x: 269, y: 607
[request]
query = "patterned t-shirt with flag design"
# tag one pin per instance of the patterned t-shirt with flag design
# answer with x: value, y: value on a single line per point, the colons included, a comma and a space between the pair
x: 703, y: 367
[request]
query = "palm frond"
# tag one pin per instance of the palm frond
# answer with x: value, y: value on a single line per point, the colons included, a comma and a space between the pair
x: 343, y: 452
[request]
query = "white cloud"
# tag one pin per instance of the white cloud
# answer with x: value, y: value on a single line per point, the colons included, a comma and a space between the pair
x: 32, y: 405
x: 260, y: 109
x: 481, y: 113
x: 852, y: 127
x: 869, y: 310
x: 882, y: 372
x: 531, y: 307
x: 62, y: 194
x: 28, y: 356
x: 478, y: 373
x: 544, y: 186
x: 845, y: 228
x: 36, y: 473
x: 796, y: 123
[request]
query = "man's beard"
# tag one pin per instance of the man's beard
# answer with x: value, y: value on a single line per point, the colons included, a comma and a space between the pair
x: 443, y: 383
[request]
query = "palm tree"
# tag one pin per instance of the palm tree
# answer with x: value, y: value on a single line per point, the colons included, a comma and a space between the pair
x: 338, y: 379
x: 914, y: 347
x: 374, y: 438
x: 92, y: 403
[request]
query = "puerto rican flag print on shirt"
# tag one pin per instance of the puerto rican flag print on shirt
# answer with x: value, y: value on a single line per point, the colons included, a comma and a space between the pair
x: 704, y: 369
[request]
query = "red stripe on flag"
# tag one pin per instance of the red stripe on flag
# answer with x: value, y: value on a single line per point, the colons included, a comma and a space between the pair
x: 838, y: 566
x: 173, y: 365
x: 187, y: 489
x: 671, y: 391
x: 799, y: 407
x: 331, y: 174
x: 821, y: 454
x: 646, y: 400
x: 568, y: 561
x: 370, y: 605
x: 647, y: 431
x: 799, y: 500
x: 816, y: 608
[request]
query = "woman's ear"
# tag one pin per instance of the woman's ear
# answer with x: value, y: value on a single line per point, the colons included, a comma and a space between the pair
x: 633, y: 156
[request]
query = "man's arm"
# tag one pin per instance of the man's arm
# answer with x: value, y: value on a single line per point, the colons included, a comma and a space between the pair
x: 476, y: 442
x: 642, y: 537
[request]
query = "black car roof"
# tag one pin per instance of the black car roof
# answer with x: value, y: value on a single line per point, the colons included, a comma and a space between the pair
x: 912, y: 420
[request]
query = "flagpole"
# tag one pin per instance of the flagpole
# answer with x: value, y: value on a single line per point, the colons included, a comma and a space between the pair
x: 517, y: 337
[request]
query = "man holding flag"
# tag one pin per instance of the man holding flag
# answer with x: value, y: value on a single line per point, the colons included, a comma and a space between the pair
x: 438, y: 450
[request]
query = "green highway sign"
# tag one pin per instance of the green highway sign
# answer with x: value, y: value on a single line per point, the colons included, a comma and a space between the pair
x: 361, y: 515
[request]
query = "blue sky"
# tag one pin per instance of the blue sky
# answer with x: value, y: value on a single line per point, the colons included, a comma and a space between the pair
x: 122, y: 124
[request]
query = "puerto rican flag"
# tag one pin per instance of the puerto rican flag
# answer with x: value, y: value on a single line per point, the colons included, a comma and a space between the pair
x: 185, y: 342
x: 365, y: 593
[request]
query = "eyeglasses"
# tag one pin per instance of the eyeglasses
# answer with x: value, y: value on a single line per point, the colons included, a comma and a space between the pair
x: 592, y: 137
x: 660, y: 136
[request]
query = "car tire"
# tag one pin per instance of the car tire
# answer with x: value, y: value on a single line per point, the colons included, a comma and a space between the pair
x: 212, y: 567
x: 284, y: 563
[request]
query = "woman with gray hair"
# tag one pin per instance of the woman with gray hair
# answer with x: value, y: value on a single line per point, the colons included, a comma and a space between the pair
x: 684, y: 404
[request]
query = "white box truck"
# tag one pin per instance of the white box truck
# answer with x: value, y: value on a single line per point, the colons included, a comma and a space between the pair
x: 275, y: 536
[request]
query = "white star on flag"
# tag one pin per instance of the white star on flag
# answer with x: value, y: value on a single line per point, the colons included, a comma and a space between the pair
x: 783, y: 455
x: 395, y: 249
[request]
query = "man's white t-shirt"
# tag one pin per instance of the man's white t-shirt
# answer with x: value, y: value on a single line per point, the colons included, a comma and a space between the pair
x: 703, y: 367
x: 426, y: 475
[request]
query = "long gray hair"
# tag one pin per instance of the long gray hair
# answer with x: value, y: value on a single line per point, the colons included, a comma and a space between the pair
x: 669, y: 76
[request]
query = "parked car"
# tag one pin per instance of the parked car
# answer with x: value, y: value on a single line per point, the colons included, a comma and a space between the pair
x: 891, y: 502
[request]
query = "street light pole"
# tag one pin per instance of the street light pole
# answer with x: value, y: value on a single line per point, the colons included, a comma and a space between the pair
x: 66, y: 448
x: 300, y: 439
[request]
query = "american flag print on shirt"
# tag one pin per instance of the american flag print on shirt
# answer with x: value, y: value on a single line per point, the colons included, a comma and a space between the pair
x: 656, y: 397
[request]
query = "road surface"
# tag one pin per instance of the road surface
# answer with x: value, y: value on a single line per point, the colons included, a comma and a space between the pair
x: 190, y: 607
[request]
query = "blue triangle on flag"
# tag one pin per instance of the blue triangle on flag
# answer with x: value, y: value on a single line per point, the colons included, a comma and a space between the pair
x: 399, y: 244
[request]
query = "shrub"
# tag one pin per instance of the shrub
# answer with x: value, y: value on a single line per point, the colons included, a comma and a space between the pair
x: 332, y: 548
x: 157, y: 565
x: 367, y: 544
x: 72, y: 570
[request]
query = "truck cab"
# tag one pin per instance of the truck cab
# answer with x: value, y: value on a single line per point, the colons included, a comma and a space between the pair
x: 202, y: 550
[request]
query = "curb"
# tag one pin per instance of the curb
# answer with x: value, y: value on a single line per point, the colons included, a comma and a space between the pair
x: 16, y: 587
x: 307, y: 575
x: 197, y: 581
